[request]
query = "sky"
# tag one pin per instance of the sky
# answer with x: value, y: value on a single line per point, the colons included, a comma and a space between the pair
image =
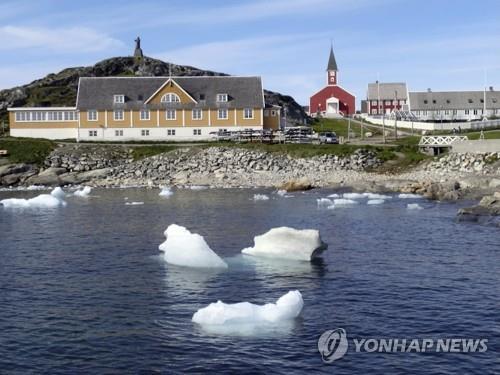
x: 439, y: 44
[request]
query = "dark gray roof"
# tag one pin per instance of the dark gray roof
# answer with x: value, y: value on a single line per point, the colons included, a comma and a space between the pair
x: 97, y: 92
x: 332, y: 64
x: 454, y: 100
x: 387, y: 91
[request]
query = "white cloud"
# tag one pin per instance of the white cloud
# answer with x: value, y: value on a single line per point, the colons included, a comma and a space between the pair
x: 74, y: 39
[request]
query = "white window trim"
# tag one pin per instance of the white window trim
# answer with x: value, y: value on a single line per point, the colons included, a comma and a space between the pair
x: 148, y: 112
x: 118, y: 111
x: 96, y: 115
x: 244, y: 114
x: 197, y: 118
x: 118, y: 99
x: 222, y: 118
x: 171, y: 119
x: 170, y: 95
x: 222, y: 98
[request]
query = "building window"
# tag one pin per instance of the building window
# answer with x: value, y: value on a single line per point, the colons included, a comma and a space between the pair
x: 374, y: 102
x: 273, y: 113
x: 144, y: 132
x: 170, y: 98
x: 374, y: 111
x: 425, y: 101
x: 471, y: 101
x: 466, y: 111
x: 197, y: 114
x: 145, y: 114
x: 248, y: 113
x: 222, y: 114
x: 387, y: 102
x: 202, y: 96
x: 118, y: 99
x: 118, y: 133
x: 434, y: 102
x: 171, y: 132
x: 417, y: 113
x: 266, y: 112
x: 92, y: 133
x: 475, y: 111
x: 92, y: 115
x: 118, y: 114
x: 446, y: 112
x: 438, y: 112
x: 454, y: 111
x: 222, y: 98
x: 196, y: 131
x: 424, y: 113
x: 171, y: 114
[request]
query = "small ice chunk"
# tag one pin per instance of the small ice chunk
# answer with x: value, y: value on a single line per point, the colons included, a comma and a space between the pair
x: 335, y: 195
x: 84, y: 193
x: 133, y: 203
x: 376, y: 196
x: 324, y: 202
x: 409, y: 196
x: 35, y: 187
x: 166, y: 192
x: 198, y: 187
x: 281, y: 192
x: 287, y: 307
x: 287, y: 243
x: 52, y: 200
x: 184, y: 248
x: 260, y: 197
x: 414, y: 206
x: 344, y: 202
x: 353, y: 195
x: 375, y: 201
x: 332, y: 207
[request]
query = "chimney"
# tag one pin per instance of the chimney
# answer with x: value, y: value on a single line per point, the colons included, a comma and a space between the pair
x: 491, y: 88
x: 429, y: 90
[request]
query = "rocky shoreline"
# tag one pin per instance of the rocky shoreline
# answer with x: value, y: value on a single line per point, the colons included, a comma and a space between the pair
x: 452, y: 177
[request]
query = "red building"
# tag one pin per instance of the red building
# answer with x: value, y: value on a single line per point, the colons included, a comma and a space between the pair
x: 332, y: 100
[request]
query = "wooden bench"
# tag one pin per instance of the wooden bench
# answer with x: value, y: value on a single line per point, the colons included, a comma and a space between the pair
x: 4, y: 152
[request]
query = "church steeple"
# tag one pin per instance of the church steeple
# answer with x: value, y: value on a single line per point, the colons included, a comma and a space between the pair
x: 331, y: 69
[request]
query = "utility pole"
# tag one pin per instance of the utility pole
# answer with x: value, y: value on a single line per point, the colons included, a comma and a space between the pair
x: 396, y: 115
x: 349, y: 129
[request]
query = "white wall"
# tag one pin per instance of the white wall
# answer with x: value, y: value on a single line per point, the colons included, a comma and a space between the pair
x: 65, y: 133
x: 416, y: 125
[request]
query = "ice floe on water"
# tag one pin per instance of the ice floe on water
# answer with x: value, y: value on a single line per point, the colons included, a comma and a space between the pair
x: 281, y: 192
x: 83, y: 193
x: 344, y: 202
x: 52, y: 200
x: 25, y: 188
x: 287, y: 307
x: 375, y: 201
x: 353, y: 196
x: 166, y: 192
x: 184, y: 248
x: 322, y: 202
x: 287, y: 243
x: 376, y: 196
x: 197, y: 187
x: 260, y: 197
x: 409, y: 196
x: 414, y: 206
x: 335, y: 195
x: 134, y: 203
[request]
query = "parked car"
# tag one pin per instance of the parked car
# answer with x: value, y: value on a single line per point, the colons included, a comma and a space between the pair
x: 328, y: 137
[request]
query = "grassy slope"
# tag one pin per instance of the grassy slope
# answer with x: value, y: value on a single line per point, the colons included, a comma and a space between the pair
x: 26, y: 150
x: 491, y: 134
x: 339, y: 126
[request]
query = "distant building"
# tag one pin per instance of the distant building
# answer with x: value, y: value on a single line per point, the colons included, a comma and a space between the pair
x: 455, y: 105
x: 332, y: 100
x: 384, y: 98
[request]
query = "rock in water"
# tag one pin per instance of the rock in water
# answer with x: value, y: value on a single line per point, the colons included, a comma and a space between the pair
x: 287, y: 243
x: 287, y: 307
x: 184, y: 248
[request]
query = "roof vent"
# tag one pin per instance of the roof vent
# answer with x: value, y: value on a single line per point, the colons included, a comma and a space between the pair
x: 491, y: 88
x: 429, y: 90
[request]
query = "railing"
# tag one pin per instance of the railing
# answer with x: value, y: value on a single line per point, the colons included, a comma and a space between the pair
x: 441, y: 140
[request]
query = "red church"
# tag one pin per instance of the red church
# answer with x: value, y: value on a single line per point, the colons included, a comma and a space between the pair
x: 332, y: 100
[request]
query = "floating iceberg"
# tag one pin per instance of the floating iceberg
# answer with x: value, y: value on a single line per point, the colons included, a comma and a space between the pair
x: 335, y: 195
x: 166, y: 192
x: 414, y: 206
x: 287, y: 243
x: 84, y: 193
x: 376, y: 196
x: 324, y: 202
x: 287, y: 307
x: 281, y: 192
x: 184, y: 248
x: 353, y: 195
x: 344, y: 202
x: 198, y: 187
x: 52, y: 200
x: 375, y: 201
x: 260, y: 197
x: 133, y: 203
x: 409, y: 196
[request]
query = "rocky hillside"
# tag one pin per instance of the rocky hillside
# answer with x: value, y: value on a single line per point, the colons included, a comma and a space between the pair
x: 60, y: 89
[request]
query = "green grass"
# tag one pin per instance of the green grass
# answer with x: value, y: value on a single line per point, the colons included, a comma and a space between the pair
x: 27, y: 150
x: 142, y: 152
x: 339, y: 126
x: 488, y: 134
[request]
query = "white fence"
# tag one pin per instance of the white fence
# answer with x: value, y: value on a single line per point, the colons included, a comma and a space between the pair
x: 432, y: 126
x: 441, y: 140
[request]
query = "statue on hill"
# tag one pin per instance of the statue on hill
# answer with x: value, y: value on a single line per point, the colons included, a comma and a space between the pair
x: 138, y: 51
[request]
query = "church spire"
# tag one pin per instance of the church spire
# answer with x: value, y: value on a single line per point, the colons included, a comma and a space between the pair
x: 332, y: 64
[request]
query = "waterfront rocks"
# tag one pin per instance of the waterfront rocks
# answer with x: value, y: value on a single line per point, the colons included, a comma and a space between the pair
x: 486, y: 212
x: 487, y: 163
x: 13, y: 174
